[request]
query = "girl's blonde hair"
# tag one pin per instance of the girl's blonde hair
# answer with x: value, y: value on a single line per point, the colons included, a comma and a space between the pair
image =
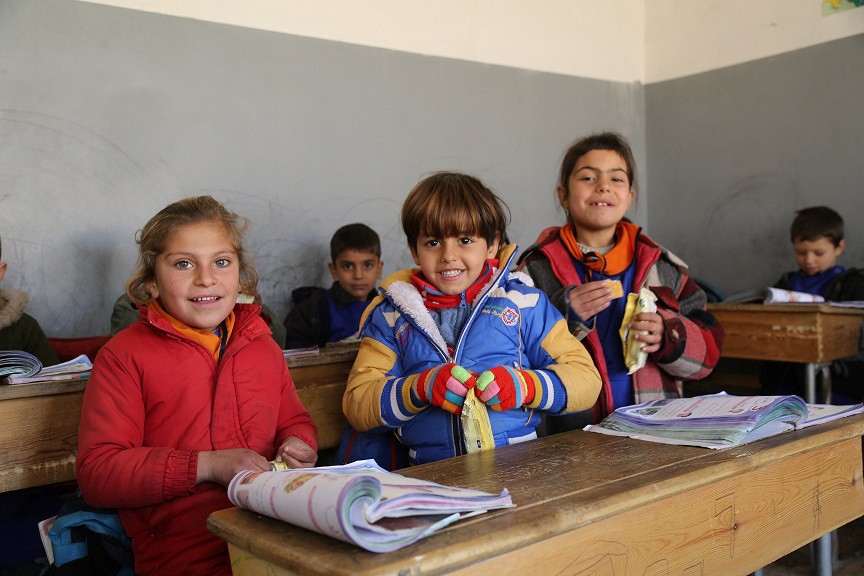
x: 153, y: 238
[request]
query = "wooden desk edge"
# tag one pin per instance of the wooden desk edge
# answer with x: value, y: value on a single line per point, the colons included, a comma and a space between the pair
x: 327, y: 355
x: 803, y: 308
x: 11, y: 391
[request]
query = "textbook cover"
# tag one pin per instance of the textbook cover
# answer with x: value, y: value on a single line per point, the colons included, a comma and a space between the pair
x: 773, y: 296
x: 76, y: 368
x: 310, y: 351
x: 18, y: 362
x: 360, y: 503
x: 718, y: 420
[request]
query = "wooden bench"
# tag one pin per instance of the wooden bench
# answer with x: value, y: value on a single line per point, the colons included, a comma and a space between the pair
x: 39, y: 422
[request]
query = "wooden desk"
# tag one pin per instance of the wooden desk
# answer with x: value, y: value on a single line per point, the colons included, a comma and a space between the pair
x: 39, y: 433
x: 39, y: 422
x: 601, y: 505
x: 806, y: 333
x: 320, y: 382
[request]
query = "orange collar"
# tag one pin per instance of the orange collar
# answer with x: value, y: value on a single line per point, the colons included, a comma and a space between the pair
x: 210, y: 341
x: 616, y: 260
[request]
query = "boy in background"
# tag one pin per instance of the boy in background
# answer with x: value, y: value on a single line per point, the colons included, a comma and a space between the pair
x: 818, y: 240
x: 320, y: 316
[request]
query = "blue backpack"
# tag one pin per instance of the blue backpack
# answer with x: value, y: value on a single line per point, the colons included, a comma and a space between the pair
x: 89, y: 540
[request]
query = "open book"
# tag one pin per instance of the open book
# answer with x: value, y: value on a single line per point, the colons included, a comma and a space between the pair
x: 18, y: 362
x: 78, y: 367
x: 718, y: 420
x: 310, y: 351
x: 360, y: 503
x: 773, y: 296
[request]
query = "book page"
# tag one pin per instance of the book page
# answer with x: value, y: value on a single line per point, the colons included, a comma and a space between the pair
x: 778, y: 295
x: 712, y: 421
x: 819, y: 413
x: 739, y: 408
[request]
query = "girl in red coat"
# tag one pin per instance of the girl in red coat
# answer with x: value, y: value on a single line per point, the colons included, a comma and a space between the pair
x: 192, y: 394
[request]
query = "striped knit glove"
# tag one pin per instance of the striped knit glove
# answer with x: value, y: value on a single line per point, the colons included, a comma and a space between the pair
x: 502, y: 388
x: 444, y: 386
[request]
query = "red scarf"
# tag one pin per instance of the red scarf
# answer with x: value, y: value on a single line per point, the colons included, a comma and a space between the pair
x: 435, y: 300
x: 616, y: 260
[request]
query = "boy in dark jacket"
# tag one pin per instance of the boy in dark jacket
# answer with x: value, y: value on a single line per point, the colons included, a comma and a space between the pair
x: 320, y: 316
x: 818, y: 240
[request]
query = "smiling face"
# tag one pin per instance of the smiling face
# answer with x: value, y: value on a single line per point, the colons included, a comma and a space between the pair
x: 357, y: 272
x: 453, y: 263
x: 817, y: 256
x: 597, y: 196
x: 197, y: 276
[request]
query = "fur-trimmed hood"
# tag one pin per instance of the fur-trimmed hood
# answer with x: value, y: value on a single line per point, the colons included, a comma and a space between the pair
x: 12, y: 305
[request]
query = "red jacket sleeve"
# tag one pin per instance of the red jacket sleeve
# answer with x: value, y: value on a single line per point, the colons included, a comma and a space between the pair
x: 113, y: 468
x: 294, y: 419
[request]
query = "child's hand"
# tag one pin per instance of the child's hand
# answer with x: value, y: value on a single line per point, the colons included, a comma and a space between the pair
x: 221, y: 466
x: 444, y: 386
x: 590, y: 298
x: 652, y: 323
x: 296, y: 453
x: 503, y: 388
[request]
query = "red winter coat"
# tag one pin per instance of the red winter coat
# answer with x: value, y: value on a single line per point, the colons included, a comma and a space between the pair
x: 156, y: 398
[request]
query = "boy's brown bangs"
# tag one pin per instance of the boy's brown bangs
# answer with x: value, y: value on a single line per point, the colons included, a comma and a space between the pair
x: 457, y: 213
x: 450, y: 221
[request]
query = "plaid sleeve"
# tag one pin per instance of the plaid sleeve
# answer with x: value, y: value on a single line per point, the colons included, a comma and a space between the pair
x: 693, y: 337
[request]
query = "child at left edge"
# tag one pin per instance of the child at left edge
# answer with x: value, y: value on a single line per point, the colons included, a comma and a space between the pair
x: 191, y: 394
x: 21, y: 510
x: 19, y: 330
x: 461, y: 321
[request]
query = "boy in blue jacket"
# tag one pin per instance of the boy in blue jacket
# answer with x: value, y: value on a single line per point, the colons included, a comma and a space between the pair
x: 817, y: 237
x: 320, y: 316
x: 462, y: 321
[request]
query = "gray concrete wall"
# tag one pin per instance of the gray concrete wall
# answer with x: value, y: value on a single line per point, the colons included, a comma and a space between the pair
x: 107, y: 115
x: 733, y: 153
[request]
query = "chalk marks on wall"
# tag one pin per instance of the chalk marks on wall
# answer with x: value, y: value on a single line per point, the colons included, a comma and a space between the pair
x: 70, y: 195
x: 755, y: 204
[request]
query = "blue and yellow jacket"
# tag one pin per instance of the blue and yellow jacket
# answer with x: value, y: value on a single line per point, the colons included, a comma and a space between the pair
x: 511, y: 324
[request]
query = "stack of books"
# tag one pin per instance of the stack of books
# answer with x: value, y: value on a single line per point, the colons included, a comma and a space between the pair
x: 18, y: 363
x: 19, y: 367
x: 718, y: 420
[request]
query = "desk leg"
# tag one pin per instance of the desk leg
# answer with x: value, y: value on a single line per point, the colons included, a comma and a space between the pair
x: 823, y: 556
x: 825, y: 372
x: 810, y: 379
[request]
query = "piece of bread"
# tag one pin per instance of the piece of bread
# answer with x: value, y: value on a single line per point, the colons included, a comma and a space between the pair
x: 616, y: 287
